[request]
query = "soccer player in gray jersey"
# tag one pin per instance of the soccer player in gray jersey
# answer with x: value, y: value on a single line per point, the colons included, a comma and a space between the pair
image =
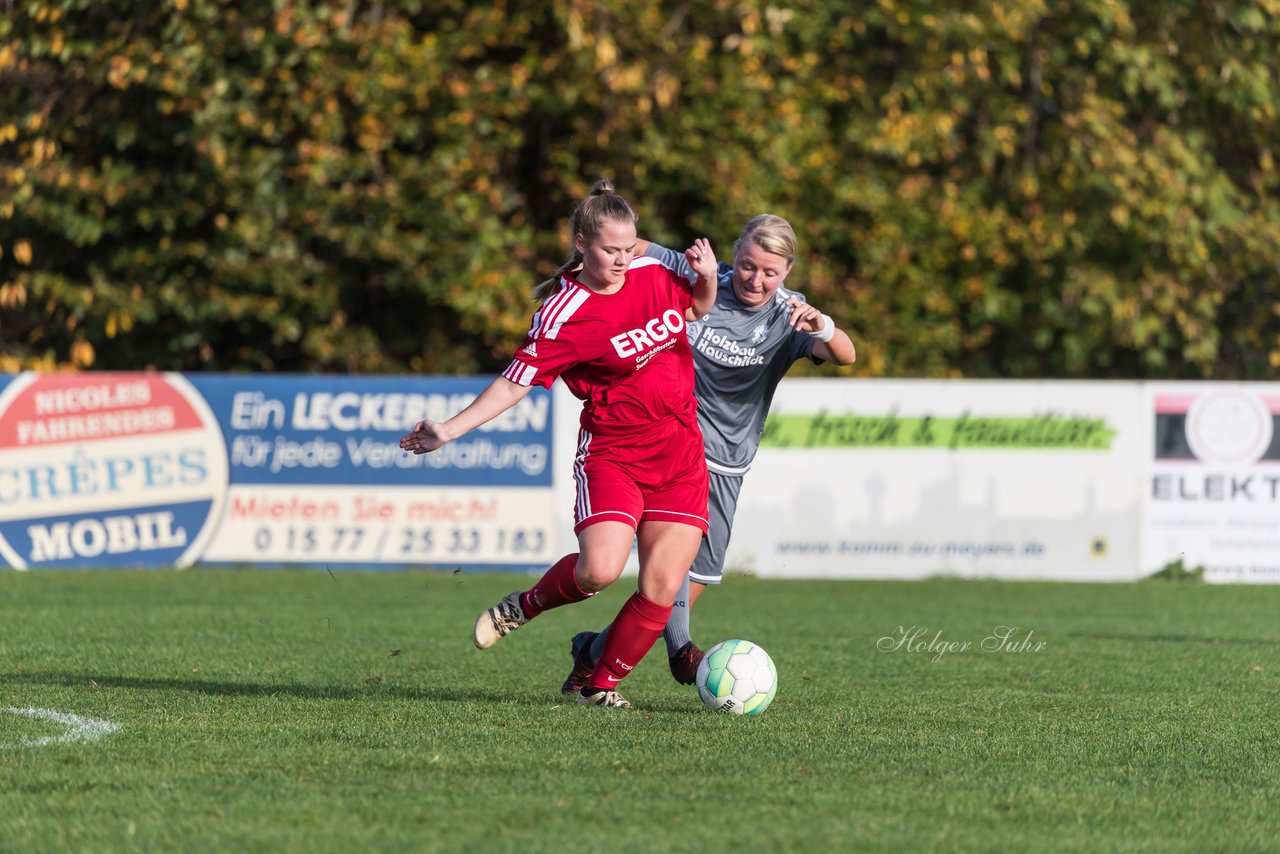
x: 742, y: 349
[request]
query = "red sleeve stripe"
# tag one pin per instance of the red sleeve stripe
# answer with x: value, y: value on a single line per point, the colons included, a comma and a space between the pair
x: 520, y: 373
x: 547, y: 307
x: 556, y: 310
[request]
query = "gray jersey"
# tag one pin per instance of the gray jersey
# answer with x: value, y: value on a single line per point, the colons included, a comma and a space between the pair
x: 740, y: 355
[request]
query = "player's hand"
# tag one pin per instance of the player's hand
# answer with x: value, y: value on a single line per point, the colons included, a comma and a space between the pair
x: 702, y: 259
x: 804, y: 317
x: 425, y: 437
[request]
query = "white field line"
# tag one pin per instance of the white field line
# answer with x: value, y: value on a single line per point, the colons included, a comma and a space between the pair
x: 78, y: 728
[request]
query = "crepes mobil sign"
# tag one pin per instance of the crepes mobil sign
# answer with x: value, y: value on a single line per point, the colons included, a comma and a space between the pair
x: 115, y: 469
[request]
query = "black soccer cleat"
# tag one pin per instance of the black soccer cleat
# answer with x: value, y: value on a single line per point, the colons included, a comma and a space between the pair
x: 580, y: 647
x: 684, y: 664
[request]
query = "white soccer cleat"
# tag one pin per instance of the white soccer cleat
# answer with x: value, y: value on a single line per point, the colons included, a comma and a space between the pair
x: 608, y: 699
x: 495, y: 623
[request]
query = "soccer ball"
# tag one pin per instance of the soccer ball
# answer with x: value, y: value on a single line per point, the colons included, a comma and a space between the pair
x: 738, y: 677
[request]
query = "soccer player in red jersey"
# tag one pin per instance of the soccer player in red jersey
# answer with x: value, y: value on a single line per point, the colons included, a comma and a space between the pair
x: 612, y: 327
x: 757, y: 329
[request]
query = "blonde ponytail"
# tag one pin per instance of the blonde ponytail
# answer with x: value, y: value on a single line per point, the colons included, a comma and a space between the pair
x: 549, y: 286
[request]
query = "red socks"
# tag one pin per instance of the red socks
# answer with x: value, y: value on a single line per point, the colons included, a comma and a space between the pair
x: 557, y: 587
x: 630, y: 636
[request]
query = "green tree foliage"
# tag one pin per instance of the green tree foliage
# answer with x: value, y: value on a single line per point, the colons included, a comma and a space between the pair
x: 1020, y: 189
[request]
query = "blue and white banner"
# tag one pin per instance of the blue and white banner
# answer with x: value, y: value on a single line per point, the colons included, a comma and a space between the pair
x: 167, y: 469
x: 292, y: 430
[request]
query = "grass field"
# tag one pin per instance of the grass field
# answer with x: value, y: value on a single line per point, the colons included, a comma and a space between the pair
x: 309, y: 711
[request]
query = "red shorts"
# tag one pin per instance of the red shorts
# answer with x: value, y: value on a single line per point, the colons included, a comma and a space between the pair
x: 657, y: 475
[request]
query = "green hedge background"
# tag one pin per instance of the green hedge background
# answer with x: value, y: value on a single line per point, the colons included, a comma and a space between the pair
x: 1000, y: 189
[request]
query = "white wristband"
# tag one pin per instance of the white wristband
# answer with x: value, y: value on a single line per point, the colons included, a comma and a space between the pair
x: 827, y: 332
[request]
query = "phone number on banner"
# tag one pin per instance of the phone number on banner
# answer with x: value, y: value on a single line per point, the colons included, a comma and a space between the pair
x: 277, y: 542
x: 394, y: 526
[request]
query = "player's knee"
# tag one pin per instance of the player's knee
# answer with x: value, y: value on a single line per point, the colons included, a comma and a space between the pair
x: 663, y: 589
x: 594, y: 577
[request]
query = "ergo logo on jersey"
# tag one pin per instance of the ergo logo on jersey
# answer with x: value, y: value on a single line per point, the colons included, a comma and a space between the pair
x: 657, y: 330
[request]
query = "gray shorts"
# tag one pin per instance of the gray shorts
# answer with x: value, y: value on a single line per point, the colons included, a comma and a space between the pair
x: 722, y: 503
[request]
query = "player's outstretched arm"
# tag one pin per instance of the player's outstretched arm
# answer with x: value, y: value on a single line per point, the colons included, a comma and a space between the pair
x: 703, y: 261
x: 833, y: 343
x: 497, y: 397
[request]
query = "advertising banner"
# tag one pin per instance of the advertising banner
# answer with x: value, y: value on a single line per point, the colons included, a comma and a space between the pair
x: 908, y: 479
x: 1072, y: 481
x: 107, y: 470
x: 164, y: 469
x: 1213, y: 497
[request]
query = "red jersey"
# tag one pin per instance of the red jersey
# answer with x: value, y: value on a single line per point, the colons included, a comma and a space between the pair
x: 625, y: 355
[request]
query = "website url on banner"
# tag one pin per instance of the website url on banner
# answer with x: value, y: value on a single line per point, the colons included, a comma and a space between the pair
x: 1029, y: 548
x: 1254, y: 572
